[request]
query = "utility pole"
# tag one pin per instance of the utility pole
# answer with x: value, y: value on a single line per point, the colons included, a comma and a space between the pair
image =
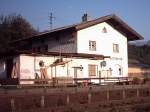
x: 51, y: 17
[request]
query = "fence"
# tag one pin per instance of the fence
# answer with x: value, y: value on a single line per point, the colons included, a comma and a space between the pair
x: 70, y: 96
x: 68, y: 81
x: 64, y: 81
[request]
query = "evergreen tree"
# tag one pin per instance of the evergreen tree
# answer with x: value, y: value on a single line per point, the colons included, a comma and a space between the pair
x: 13, y: 27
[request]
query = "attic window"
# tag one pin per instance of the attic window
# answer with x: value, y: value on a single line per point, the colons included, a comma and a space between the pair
x: 104, y: 30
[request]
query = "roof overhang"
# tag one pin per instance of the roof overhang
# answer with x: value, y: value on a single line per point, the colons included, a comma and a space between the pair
x: 116, y: 23
x: 113, y: 20
x: 71, y: 55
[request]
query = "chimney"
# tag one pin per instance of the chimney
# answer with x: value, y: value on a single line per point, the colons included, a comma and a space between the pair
x: 85, y: 17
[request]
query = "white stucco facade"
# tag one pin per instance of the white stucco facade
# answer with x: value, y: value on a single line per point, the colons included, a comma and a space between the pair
x: 104, y: 46
x: 90, y: 49
x: 116, y: 62
x: 29, y: 65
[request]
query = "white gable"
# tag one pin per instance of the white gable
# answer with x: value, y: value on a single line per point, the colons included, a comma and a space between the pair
x: 104, y: 41
x: 104, y: 44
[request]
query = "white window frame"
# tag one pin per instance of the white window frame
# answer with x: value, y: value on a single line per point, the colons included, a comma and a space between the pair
x: 92, y: 45
x: 115, y: 48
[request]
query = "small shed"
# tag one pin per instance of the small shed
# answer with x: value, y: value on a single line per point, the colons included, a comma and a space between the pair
x: 139, y: 70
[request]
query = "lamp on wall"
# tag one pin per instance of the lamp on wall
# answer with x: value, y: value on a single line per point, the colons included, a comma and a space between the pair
x: 81, y: 68
x: 63, y: 65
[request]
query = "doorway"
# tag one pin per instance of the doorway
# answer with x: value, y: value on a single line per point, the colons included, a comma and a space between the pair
x: 78, y: 72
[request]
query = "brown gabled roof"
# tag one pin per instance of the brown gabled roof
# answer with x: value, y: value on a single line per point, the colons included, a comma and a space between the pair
x: 113, y: 20
x: 116, y: 23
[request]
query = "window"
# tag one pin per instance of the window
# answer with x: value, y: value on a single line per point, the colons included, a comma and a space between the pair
x: 45, y: 48
x: 92, y: 45
x: 120, y: 71
x: 115, y: 48
x: 42, y: 48
x: 92, y: 70
x: 33, y: 49
x: 104, y: 30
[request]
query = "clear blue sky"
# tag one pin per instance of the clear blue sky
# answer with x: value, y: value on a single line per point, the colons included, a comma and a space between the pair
x: 136, y: 13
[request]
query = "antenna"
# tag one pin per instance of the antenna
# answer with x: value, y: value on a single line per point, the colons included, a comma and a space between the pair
x: 51, y: 17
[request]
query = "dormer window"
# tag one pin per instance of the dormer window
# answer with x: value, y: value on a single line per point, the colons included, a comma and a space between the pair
x: 104, y: 30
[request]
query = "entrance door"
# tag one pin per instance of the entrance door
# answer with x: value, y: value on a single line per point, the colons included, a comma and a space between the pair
x: 9, y: 66
x: 78, y: 72
x: 117, y: 70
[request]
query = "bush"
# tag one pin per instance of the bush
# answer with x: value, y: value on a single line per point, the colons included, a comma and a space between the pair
x: 136, y: 80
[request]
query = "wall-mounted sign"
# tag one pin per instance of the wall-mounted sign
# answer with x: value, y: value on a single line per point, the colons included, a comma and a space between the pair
x: 116, y: 58
x: 103, y: 63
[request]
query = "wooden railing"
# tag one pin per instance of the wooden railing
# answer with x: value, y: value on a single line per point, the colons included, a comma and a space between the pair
x: 60, y: 81
x: 76, y: 81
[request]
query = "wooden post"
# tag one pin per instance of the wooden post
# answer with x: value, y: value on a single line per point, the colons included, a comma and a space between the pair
x: 137, y: 92
x: 5, y: 91
x: 55, y: 71
x: 76, y: 89
x: 89, y: 95
x: 123, y: 94
x: 67, y: 71
x: 68, y: 99
x: 42, y: 101
x: 12, y: 103
x: 99, y: 77
x: 108, y: 94
x: 44, y: 90
x: 51, y: 72
x: 26, y: 91
x: 149, y: 91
